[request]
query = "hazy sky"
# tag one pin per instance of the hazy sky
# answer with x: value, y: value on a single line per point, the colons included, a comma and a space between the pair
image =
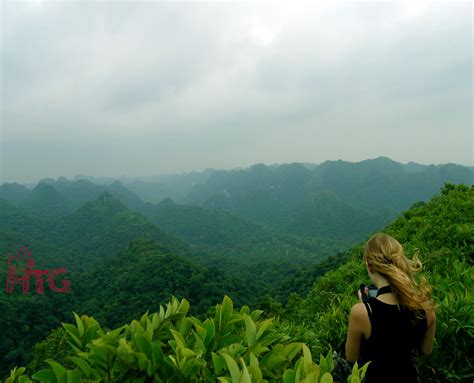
x: 112, y: 88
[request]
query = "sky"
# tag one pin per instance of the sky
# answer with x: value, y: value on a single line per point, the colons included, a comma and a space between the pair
x: 109, y: 88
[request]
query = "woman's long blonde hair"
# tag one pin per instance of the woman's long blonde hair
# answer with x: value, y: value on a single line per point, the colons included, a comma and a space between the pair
x: 385, y: 255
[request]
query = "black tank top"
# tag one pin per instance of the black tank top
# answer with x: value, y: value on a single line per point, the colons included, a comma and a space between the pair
x: 396, y: 332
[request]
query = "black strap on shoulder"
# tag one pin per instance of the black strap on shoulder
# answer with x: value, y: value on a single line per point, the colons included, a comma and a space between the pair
x: 384, y: 290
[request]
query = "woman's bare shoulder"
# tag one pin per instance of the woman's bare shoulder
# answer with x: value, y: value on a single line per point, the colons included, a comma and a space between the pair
x: 359, y: 311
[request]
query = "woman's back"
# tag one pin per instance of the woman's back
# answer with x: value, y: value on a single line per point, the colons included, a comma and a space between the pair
x: 395, y: 333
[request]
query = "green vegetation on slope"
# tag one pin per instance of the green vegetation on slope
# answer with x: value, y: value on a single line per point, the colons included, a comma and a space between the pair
x: 358, y: 194
x: 144, y: 276
x: 169, y: 346
x: 442, y: 230
x: 266, y: 260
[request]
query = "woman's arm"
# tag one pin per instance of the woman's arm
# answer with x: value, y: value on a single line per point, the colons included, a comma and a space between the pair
x: 359, y: 325
x: 428, y: 339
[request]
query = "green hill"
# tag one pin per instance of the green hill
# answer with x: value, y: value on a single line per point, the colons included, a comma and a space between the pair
x: 144, y: 276
x: 263, y: 259
x: 234, y: 345
x: 13, y: 192
x: 105, y: 226
x: 123, y: 280
x: 442, y: 231
x: 52, y: 199
x: 344, y: 200
x: 46, y: 202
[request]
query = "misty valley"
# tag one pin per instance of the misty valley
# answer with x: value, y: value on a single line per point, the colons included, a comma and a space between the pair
x: 178, y: 277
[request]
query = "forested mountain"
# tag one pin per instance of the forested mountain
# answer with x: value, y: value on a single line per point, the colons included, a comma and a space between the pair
x: 176, y: 186
x: 336, y: 200
x: 96, y: 230
x: 46, y: 202
x: 441, y: 230
x: 144, y: 276
x: 19, y: 228
x: 14, y: 192
x: 372, y: 190
x: 257, y: 234
x: 232, y: 256
x: 56, y: 198
x: 102, y: 227
x: 156, y: 188
x: 78, y: 241
x: 265, y: 260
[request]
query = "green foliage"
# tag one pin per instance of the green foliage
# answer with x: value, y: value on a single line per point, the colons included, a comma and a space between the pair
x: 254, y: 264
x: 142, y: 277
x: 170, y: 346
x: 54, y: 346
x: 266, y: 260
x: 441, y: 231
x: 336, y: 198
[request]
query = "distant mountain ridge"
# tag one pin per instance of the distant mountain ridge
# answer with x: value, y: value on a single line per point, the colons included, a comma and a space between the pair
x: 275, y: 195
x: 57, y: 198
x: 98, y: 229
x: 339, y: 200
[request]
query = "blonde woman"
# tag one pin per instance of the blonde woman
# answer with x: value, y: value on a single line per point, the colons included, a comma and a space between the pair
x: 387, y: 329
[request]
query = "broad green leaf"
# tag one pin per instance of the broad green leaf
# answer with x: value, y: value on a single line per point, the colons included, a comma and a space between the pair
x: 250, y: 331
x: 59, y: 371
x: 45, y: 376
x: 326, y: 378
x: 143, y: 318
x: 245, y: 378
x: 291, y: 350
x: 184, y: 307
x: 232, y: 367
x: 149, y: 329
x: 265, y: 325
x: 199, y: 344
x: 184, y: 326
x: 73, y: 376
x: 76, y: 343
x: 210, y: 327
x: 178, y: 338
x: 255, y: 373
x: 253, y: 360
x: 323, y: 365
x: 80, y: 325
x: 137, y: 327
x: 71, y: 329
x: 312, y: 377
x: 155, y: 321
x: 82, y: 364
x: 289, y: 376
x: 187, y: 353
x: 157, y: 353
x: 92, y: 331
x: 274, y: 361
x: 144, y: 345
x: 218, y: 363
x: 307, y: 360
x: 227, y: 308
x: 330, y: 361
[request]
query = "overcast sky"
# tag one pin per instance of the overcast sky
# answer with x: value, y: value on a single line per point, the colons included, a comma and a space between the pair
x: 118, y: 88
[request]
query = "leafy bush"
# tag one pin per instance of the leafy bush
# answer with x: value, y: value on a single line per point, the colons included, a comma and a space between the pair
x: 169, y: 346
